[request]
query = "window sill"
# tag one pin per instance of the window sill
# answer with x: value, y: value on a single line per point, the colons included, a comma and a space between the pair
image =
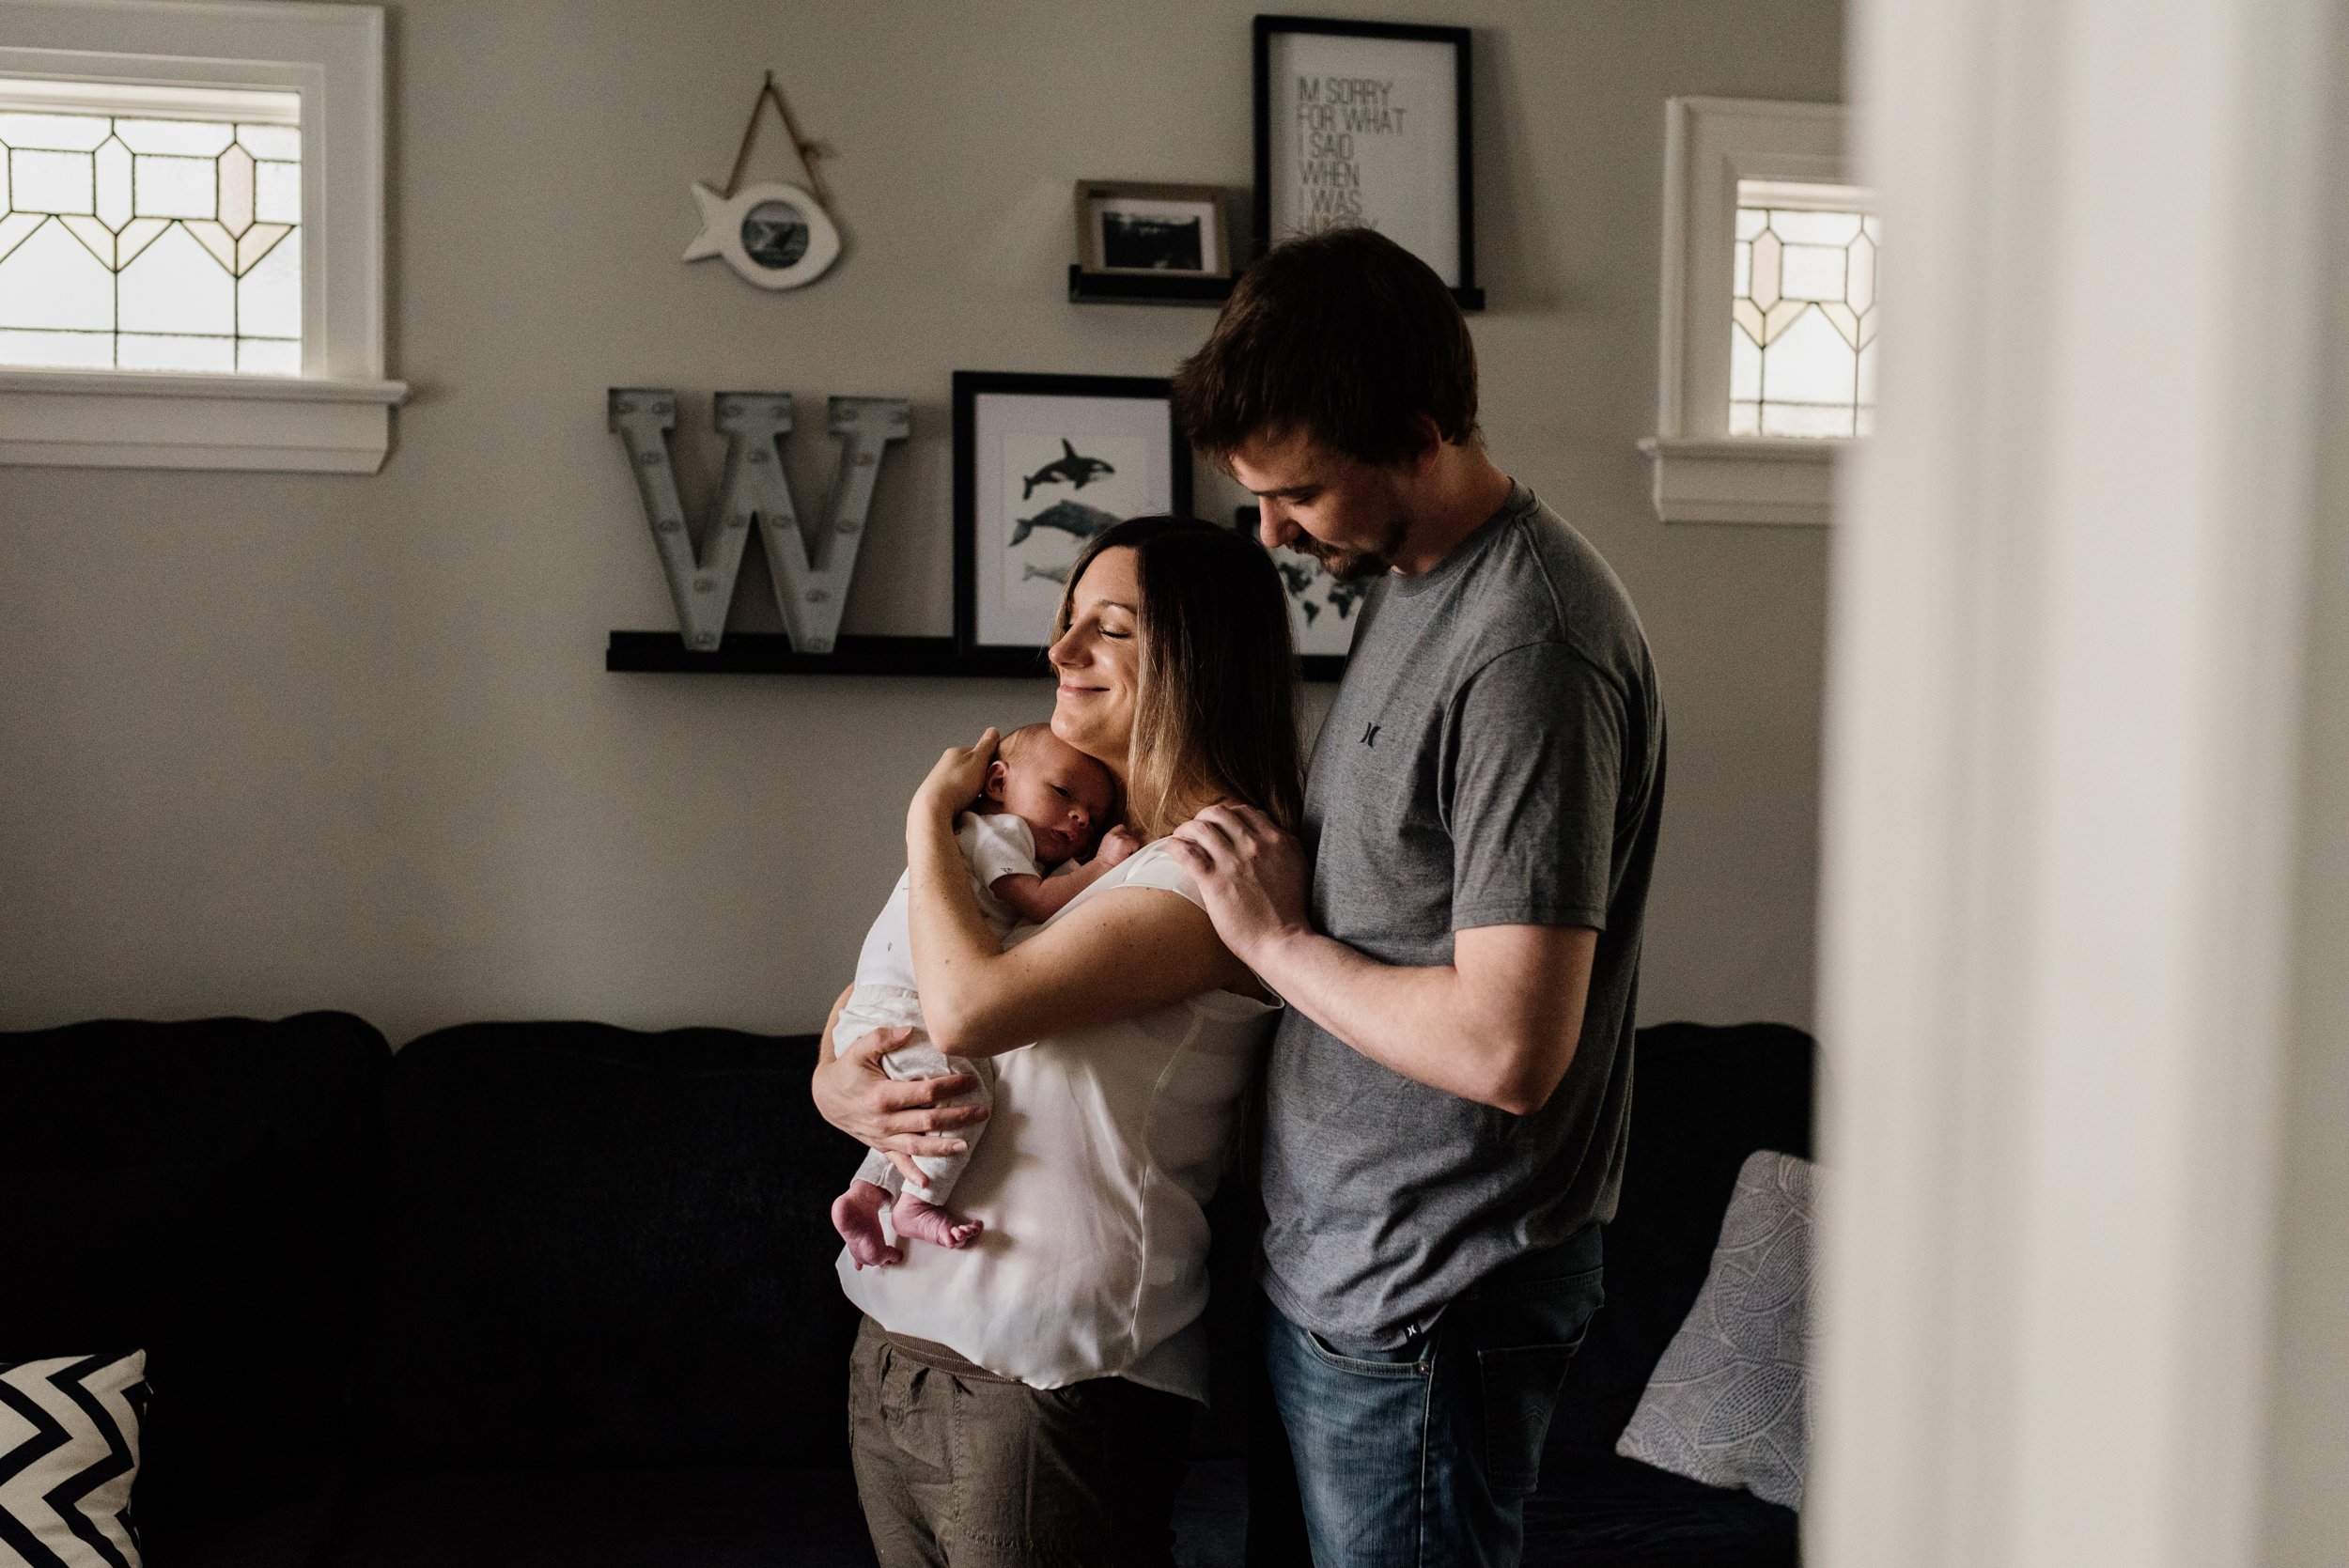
x: 1758, y: 480
x: 135, y: 419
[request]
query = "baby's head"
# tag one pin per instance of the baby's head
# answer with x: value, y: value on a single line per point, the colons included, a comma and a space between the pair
x: 1064, y: 796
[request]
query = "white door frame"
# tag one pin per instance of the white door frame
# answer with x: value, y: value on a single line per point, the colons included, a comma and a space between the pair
x: 2065, y: 663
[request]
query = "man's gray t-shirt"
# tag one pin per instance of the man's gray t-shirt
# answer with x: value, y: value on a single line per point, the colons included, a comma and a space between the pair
x: 1495, y: 758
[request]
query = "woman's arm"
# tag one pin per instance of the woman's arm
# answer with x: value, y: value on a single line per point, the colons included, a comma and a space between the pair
x: 1130, y: 951
x: 854, y: 1092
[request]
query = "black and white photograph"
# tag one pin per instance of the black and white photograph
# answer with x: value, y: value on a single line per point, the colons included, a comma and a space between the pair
x: 1043, y: 464
x: 1366, y: 124
x: 1174, y: 230
x: 1150, y: 242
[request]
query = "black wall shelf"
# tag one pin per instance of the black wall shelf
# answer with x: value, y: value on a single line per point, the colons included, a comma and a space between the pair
x: 770, y: 653
x: 1144, y: 288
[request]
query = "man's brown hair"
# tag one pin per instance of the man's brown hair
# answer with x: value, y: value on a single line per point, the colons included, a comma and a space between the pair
x: 1344, y: 338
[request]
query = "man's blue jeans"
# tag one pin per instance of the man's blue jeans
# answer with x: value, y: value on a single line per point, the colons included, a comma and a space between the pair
x: 1422, y: 1456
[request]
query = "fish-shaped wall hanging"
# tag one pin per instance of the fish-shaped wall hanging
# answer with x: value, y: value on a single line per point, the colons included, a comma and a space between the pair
x: 774, y: 234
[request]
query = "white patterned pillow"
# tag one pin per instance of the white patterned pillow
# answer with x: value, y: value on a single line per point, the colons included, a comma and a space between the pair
x: 69, y: 1452
x: 1728, y: 1405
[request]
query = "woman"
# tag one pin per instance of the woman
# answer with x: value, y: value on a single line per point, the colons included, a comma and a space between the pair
x: 1027, y: 1401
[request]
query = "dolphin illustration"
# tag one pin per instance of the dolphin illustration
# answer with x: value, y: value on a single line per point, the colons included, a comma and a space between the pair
x: 1076, y: 521
x: 1050, y: 574
x: 1079, y: 471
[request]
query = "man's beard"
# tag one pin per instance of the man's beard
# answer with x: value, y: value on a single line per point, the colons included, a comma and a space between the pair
x: 1353, y: 565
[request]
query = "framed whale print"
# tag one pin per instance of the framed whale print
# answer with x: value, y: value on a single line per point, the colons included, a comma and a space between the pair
x: 1043, y: 464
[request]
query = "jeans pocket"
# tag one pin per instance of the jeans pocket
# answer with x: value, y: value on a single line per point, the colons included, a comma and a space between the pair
x: 1329, y: 1355
x: 1521, y: 1384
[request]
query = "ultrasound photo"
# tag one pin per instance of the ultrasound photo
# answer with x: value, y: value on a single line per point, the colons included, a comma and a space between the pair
x: 774, y: 235
x: 1160, y: 245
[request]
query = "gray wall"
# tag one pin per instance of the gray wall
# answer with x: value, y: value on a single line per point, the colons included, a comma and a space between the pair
x: 276, y: 741
x: 2306, y: 1505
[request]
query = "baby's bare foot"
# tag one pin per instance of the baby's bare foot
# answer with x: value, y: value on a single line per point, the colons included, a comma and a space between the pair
x: 928, y: 1222
x: 856, y: 1215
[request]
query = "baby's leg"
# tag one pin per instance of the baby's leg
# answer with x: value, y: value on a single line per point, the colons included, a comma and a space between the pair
x: 928, y: 1222
x: 856, y: 1214
x: 920, y: 1211
x: 925, y: 1061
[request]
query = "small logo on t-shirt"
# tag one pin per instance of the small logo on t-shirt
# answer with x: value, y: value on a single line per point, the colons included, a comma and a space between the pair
x: 1370, y: 735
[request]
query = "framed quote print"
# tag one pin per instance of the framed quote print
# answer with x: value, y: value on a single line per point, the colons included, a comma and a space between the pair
x: 1366, y: 124
x: 1043, y: 464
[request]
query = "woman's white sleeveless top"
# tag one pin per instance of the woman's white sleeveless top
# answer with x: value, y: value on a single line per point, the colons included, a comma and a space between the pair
x: 1103, y: 1146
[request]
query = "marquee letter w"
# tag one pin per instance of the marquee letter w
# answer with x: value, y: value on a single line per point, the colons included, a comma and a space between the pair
x: 810, y: 588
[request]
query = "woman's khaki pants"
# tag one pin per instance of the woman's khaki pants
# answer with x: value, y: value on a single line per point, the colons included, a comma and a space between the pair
x: 957, y: 1468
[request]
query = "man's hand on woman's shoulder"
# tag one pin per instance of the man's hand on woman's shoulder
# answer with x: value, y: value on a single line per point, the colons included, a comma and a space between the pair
x: 1252, y: 876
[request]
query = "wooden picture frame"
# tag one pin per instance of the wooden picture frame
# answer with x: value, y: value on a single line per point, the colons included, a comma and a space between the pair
x: 1042, y: 463
x: 1130, y: 229
x: 1368, y: 123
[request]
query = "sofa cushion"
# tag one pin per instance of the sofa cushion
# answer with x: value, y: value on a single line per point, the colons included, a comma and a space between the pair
x: 68, y: 1455
x: 725, y: 1517
x: 1702, y: 1098
x: 283, y: 1534
x: 199, y: 1190
x: 604, y: 1248
x: 709, y: 1518
x: 1599, y: 1511
x: 1729, y: 1403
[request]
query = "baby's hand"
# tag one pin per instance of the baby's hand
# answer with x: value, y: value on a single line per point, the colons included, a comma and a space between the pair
x: 1118, y: 842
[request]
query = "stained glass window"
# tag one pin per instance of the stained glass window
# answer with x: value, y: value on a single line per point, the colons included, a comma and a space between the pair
x: 168, y: 239
x: 1802, y: 354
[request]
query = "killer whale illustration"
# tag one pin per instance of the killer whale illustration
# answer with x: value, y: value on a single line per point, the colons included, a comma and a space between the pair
x: 1077, y: 471
x: 1074, y: 519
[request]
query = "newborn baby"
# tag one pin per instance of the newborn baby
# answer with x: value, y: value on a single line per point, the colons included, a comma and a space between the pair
x: 1041, y: 805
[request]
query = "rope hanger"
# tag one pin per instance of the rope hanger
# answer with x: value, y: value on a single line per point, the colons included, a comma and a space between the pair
x: 808, y: 151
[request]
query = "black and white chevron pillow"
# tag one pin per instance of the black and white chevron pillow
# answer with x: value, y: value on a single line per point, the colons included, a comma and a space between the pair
x: 69, y: 1452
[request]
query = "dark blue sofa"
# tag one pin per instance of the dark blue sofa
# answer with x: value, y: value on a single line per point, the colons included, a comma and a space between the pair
x: 562, y: 1293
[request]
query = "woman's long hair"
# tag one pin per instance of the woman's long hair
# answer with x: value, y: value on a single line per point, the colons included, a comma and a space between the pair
x: 1215, y: 700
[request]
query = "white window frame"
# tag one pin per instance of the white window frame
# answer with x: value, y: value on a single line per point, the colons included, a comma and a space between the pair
x: 335, y: 416
x: 1703, y: 474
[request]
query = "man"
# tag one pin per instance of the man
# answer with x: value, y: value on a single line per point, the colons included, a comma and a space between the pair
x: 1459, y: 937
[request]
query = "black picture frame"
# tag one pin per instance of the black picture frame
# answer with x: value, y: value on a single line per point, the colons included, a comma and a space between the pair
x: 982, y: 641
x: 1466, y: 291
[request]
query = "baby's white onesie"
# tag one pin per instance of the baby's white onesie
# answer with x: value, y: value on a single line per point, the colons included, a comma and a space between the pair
x: 885, y: 996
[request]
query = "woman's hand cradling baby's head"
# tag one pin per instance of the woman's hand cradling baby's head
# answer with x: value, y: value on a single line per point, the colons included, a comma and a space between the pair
x: 955, y: 780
